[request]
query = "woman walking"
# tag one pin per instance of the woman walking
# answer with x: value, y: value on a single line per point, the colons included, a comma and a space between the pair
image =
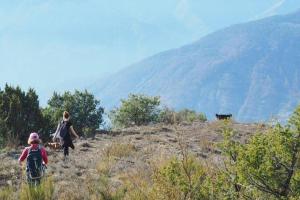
x: 63, y: 132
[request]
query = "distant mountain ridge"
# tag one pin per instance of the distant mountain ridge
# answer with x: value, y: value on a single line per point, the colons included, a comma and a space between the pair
x: 251, y: 70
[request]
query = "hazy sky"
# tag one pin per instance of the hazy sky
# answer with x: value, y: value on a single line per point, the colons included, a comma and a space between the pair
x: 51, y: 44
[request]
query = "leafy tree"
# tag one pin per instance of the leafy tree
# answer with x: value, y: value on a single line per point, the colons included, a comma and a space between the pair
x: 270, y: 161
x: 86, y: 112
x: 136, y: 110
x: 19, y: 114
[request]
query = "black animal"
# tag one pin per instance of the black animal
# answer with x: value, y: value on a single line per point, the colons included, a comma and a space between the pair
x: 223, y: 116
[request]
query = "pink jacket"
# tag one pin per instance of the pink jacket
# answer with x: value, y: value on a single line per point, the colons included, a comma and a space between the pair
x: 24, y: 154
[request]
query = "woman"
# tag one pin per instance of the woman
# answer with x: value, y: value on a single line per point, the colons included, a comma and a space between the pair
x: 63, y: 131
x: 36, y: 157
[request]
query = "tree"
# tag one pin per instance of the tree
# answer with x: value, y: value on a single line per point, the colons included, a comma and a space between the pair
x: 270, y: 161
x: 19, y: 114
x: 86, y: 112
x: 136, y: 110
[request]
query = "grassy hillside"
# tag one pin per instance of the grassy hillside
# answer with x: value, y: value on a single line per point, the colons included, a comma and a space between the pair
x: 111, y: 164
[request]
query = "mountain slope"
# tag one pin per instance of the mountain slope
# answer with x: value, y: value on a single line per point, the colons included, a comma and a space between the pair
x: 251, y: 70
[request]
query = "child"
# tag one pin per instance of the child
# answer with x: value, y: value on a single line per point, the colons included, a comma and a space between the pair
x: 36, y: 157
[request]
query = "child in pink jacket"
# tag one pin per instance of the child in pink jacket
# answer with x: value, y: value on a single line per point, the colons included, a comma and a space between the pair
x: 36, y: 159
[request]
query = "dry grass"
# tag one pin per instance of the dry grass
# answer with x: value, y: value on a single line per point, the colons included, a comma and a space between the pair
x: 7, y: 193
x: 122, y: 165
x: 45, y: 191
x: 119, y: 150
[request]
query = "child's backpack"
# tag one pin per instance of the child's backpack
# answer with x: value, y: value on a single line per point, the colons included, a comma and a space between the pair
x: 63, y: 130
x: 34, y: 163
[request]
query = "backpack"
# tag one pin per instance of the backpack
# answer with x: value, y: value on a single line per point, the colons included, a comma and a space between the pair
x: 63, y: 130
x: 35, y: 163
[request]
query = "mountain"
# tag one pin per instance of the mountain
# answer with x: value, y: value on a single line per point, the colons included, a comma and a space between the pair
x: 251, y: 70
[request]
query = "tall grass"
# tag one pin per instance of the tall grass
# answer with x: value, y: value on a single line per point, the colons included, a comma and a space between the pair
x: 7, y: 193
x: 44, y: 191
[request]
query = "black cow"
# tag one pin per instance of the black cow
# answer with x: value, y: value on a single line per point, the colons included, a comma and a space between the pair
x: 223, y: 116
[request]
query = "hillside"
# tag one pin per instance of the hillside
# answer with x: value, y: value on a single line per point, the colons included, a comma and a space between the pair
x: 121, y: 155
x: 250, y: 70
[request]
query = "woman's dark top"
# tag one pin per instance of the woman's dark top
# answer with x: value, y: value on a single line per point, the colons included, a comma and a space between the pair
x: 68, y: 140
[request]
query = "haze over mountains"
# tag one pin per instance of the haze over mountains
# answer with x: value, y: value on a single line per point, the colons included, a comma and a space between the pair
x: 251, y: 70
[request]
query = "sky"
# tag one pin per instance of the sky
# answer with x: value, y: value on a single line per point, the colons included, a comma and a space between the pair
x: 54, y: 45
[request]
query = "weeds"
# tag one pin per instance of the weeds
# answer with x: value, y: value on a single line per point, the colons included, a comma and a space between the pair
x: 44, y: 191
x: 7, y: 193
x: 119, y: 150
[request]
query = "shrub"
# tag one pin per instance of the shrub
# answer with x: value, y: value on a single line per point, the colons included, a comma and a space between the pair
x: 179, y: 179
x: 169, y: 116
x: 269, y: 162
x: 266, y: 167
x: 136, y: 110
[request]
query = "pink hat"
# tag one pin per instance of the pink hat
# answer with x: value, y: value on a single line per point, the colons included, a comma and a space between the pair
x: 33, y: 137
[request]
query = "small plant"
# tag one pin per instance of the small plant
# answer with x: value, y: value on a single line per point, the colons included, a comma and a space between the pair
x: 169, y: 116
x: 179, y: 179
x: 44, y: 191
x: 7, y: 193
x: 121, y: 149
x: 103, y: 188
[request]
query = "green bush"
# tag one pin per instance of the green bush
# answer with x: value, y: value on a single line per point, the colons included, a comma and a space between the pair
x: 269, y: 162
x: 169, y: 116
x: 179, y: 179
x: 266, y: 167
x: 136, y: 110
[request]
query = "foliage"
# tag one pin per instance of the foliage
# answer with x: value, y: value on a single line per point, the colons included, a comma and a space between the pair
x: 136, y: 110
x: 270, y: 161
x: 86, y: 112
x: 103, y: 188
x: 143, y: 110
x: 169, y: 116
x: 19, y: 115
x: 7, y: 193
x: 227, y: 180
x: 266, y: 167
x: 44, y: 191
x: 179, y: 179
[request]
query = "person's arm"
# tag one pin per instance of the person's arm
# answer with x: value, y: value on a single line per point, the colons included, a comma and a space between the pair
x: 44, y: 155
x: 73, y: 132
x: 23, y: 156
